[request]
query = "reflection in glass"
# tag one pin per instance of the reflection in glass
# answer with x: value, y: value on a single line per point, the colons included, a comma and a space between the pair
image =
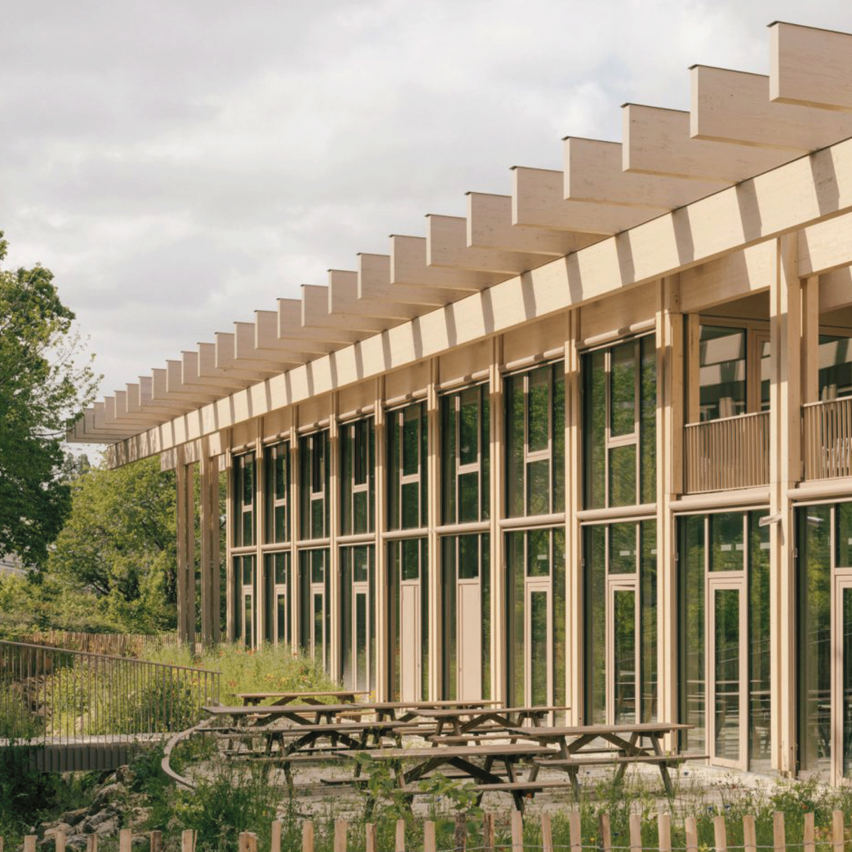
x: 727, y: 550
x: 846, y: 639
x: 538, y: 648
x: 648, y: 616
x: 622, y: 475
x: 760, y: 684
x: 624, y: 653
x: 594, y: 555
x: 727, y: 673
x: 722, y: 372
x: 623, y: 389
x: 691, y: 570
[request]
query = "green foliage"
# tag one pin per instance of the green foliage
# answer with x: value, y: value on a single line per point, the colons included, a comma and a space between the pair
x: 41, y: 388
x: 461, y: 796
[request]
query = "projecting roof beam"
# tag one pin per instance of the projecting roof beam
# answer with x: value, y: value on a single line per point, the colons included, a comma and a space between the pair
x: 123, y: 414
x: 732, y: 106
x: 190, y: 378
x: 146, y: 400
x: 343, y: 300
x: 226, y: 358
x: 315, y: 313
x: 245, y: 337
x: 538, y: 198
x: 207, y: 366
x: 101, y: 422
x: 593, y: 172
x: 446, y: 245
x: 374, y: 284
x: 489, y: 225
x: 127, y: 422
x: 657, y: 142
x: 810, y: 67
x: 408, y: 266
x: 290, y: 329
x: 161, y: 391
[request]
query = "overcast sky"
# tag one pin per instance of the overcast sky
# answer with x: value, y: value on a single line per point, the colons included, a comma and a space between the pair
x: 178, y: 164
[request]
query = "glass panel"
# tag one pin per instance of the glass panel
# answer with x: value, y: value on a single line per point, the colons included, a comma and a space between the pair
x: 411, y: 440
x: 281, y: 569
x: 727, y: 670
x: 394, y: 551
x: 485, y: 590
x: 648, y: 420
x: 844, y: 535
x: 622, y: 549
x: 538, y: 553
x: 515, y: 445
x: 691, y: 614
x: 760, y: 684
x: 469, y: 426
x: 248, y: 620
x: 424, y: 621
x: 623, y: 389
x: 559, y: 651
x: 450, y: 617
x: 485, y: 461
x: 317, y: 566
x: 515, y: 581
x: 281, y: 472
x: 410, y: 559
x: 361, y: 631
x: 594, y: 553
x: 360, y: 557
x: 448, y: 459
x: 594, y: 423
x: 727, y: 551
x: 468, y: 497
x: 722, y: 372
x: 393, y: 471
x: 765, y: 373
x: 814, y: 664
x: 248, y: 571
x: 360, y: 521
x: 648, y: 619
x: 538, y: 648
x: 346, y: 615
x: 280, y: 522
x: 318, y: 624
x: 538, y: 413
x: 410, y: 505
x: 468, y: 557
x: 835, y: 374
x: 622, y: 475
x: 281, y: 617
x: 538, y: 483
x: 624, y: 655
x: 558, y: 456
x: 248, y: 479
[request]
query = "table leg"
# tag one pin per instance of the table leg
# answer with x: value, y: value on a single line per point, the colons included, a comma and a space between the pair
x: 630, y: 750
x: 664, y: 768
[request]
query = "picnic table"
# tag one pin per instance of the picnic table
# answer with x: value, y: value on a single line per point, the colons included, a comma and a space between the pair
x: 579, y: 746
x: 251, y: 699
x: 463, y: 720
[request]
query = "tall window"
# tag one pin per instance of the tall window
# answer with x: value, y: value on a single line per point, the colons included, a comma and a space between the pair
x: 835, y: 367
x: 277, y: 492
x: 619, y: 424
x: 465, y: 432
x: 535, y: 441
x: 357, y: 477
x: 357, y: 623
x: 407, y: 447
x: 244, y: 496
x: 279, y: 592
x: 245, y: 569
x: 620, y: 567
x: 314, y: 485
x: 314, y: 610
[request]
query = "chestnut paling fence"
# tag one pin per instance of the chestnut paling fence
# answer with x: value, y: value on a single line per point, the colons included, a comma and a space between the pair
x: 76, y: 710
x: 812, y: 838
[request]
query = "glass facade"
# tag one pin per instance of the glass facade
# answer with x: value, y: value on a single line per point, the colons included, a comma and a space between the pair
x: 314, y: 488
x: 244, y: 487
x: 276, y: 464
x: 357, y: 617
x: 357, y: 477
x: 407, y: 480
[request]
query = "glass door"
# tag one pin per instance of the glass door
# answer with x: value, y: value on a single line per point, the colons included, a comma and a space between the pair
x: 623, y: 663
x: 728, y: 672
x: 841, y: 710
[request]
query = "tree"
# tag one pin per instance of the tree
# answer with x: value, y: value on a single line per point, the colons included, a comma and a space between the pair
x: 119, y: 544
x: 42, y: 387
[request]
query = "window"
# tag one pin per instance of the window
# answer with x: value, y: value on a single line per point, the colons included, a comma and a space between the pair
x: 835, y: 372
x: 278, y: 596
x: 358, y: 627
x: 407, y: 447
x: 244, y: 495
x: 357, y: 477
x: 535, y: 441
x: 465, y: 456
x: 245, y: 568
x: 620, y: 424
x: 314, y: 486
x: 722, y: 372
x: 314, y: 604
x: 277, y: 488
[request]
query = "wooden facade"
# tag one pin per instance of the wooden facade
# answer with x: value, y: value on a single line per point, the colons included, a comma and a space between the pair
x: 589, y: 445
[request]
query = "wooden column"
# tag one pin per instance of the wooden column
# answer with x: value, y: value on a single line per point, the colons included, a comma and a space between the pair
x: 498, y: 566
x: 785, y: 471
x: 295, y: 520
x: 669, y: 485
x: 230, y: 627
x: 432, y: 520
x: 259, y: 538
x: 380, y: 604
x: 185, y: 548
x: 810, y: 339
x: 573, y: 532
x: 335, y: 666
x: 209, y: 523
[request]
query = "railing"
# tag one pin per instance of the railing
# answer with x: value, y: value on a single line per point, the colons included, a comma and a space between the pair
x: 78, y: 710
x: 113, y: 644
x: 827, y: 428
x: 730, y: 453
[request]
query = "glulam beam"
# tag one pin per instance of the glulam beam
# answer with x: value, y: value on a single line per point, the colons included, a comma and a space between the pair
x: 489, y: 225
x: 226, y: 357
x: 446, y: 245
x: 538, y: 199
x: 374, y: 284
x: 409, y: 266
x: 810, y: 66
x: 734, y: 106
x: 328, y: 338
x: 657, y: 142
x: 245, y: 347
x: 315, y: 313
x: 343, y: 299
x: 593, y: 172
x: 190, y: 377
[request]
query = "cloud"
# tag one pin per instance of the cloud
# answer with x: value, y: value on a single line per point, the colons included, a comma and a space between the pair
x: 180, y: 164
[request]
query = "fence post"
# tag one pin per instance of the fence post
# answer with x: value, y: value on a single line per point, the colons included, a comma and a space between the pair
x: 370, y: 837
x: 92, y: 842
x: 808, y: 840
x: 460, y: 833
x: 274, y: 836
x: 340, y: 828
x: 247, y: 841
x: 575, y: 831
x: 664, y: 832
x: 430, y: 844
x: 606, y: 834
x: 125, y: 840
x: 59, y: 841
x: 517, y: 831
x: 156, y: 841
x: 836, y: 831
x: 779, y: 835
x: 400, y: 836
x: 635, y: 833
x: 546, y: 833
x: 187, y: 840
x: 720, y: 832
x: 487, y: 833
x: 307, y: 836
x: 749, y: 834
x: 691, y: 830
x: 30, y: 843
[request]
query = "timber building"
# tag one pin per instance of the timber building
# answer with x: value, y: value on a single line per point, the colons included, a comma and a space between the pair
x: 589, y: 445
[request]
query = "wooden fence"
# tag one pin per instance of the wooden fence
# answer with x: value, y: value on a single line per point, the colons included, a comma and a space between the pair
x: 833, y: 839
x: 111, y: 644
x: 827, y: 428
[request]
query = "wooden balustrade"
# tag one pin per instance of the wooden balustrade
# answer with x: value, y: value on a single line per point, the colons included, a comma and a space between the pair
x: 726, y: 454
x: 827, y: 438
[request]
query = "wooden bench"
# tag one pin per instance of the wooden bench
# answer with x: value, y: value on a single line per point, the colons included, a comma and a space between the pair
x: 617, y: 759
